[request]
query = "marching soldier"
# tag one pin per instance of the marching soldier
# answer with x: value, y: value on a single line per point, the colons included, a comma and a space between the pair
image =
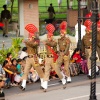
x: 32, y: 60
x: 86, y: 48
x: 98, y: 41
x: 50, y: 60
x: 64, y: 54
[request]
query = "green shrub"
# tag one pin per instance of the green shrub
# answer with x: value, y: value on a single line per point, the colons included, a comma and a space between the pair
x: 14, y: 49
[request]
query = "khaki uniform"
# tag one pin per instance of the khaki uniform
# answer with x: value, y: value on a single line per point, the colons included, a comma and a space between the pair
x: 49, y: 61
x: 32, y: 47
x: 51, y: 12
x: 98, y: 44
x: 64, y: 55
x: 86, y: 48
x: 32, y: 61
x: 5, y: 16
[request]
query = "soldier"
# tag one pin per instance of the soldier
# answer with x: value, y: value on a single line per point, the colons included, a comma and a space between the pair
x: 86, y: 48
x: 32, y: 60
x: 51, y: 11
x: 98, y: 41
x: 64, y: 54
x: 50, y: 60
x: 5, y: 17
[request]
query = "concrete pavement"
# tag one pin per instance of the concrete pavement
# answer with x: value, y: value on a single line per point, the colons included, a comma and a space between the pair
x: 79, y: 89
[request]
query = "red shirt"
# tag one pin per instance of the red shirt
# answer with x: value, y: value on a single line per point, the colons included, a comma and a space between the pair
x: 77, y: 57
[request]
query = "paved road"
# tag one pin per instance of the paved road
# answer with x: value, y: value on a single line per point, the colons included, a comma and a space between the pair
x: 79, y: 89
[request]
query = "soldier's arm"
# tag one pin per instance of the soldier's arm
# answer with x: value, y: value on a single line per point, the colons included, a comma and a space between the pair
x: 51, y: 44
x: 83, y: 46
x: 32, y: 44
x: 68, y: 45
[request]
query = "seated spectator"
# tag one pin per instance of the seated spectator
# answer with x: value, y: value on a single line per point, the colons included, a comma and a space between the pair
x: 23, y: 53
x: 78, y: 58
x: 8, y: 72
x: 19, y: 61
x: 14, y: 70
x: 2, y: 72
x: 9, y: 58
x: 2, y: 84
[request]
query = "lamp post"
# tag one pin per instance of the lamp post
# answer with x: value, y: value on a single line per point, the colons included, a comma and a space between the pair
x: 93, y: 56
x: 79, y: 25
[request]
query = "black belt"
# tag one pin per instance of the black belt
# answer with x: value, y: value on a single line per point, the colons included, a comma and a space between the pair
x: 62, y: 50
x: 87, y: 47
x: 50, y: 56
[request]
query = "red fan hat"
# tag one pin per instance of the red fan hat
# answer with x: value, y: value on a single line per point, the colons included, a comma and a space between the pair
x: 50, y: 28
x: 98, y: 24
x: 31, y: 29
x: 63, y: 27
x: 88, y: 23
x: 88, y: 15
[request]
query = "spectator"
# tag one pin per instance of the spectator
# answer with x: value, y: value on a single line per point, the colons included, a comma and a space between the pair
x: 5, y: 16
x: 19, y: 61
x: 9, y: 58
x: 6, y: 68
x: 83, y: 28
x: 51, y: 11
x: 78, y: 59
x: 24, y: 53
x: 2, y: 72
x: 2, y: 84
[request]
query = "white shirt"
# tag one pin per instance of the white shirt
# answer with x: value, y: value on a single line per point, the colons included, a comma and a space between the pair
x: 83, y: 28
x: 23, y: 54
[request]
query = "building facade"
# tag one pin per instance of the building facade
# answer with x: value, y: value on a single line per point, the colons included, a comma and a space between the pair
x: 28, y: 13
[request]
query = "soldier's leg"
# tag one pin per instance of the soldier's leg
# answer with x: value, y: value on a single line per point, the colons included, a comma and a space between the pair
x: 38, y: 70
x: 3, y: 26
x: 47, y: 72
x: 57, y: 67
x: 88, y: 55
x: 98, y: 51
x: 66, y: 67
x: 28, y: 66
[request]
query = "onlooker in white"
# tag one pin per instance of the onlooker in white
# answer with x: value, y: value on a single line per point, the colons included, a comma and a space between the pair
x: 83, y: 28
x: 23, y: 53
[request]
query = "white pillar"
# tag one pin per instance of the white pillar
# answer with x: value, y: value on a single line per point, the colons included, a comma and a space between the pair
x: 21, y: 17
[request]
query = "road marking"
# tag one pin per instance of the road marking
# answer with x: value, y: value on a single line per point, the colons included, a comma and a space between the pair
x: 53, y: 84
x: 80, y: 97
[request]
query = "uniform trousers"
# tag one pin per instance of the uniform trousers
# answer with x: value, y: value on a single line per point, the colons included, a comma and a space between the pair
x: 66, y: 60
x: 88, y: 55
x: 5, y: 28
x: 98, y: 52
x: 49, y: 63
x: 31, y: 63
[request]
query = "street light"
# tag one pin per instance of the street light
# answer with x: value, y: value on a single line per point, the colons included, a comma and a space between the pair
x: 79, y: 25
x: 93, y: 55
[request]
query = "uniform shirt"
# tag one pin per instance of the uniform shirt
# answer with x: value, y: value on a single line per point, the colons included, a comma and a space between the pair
x: 83, y: 28
x: 86, y: 41
x: 52, y: 44
x: 5, y: 14
x: 32, y: 46
x: 63, y: 43
x: 98, y: 39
